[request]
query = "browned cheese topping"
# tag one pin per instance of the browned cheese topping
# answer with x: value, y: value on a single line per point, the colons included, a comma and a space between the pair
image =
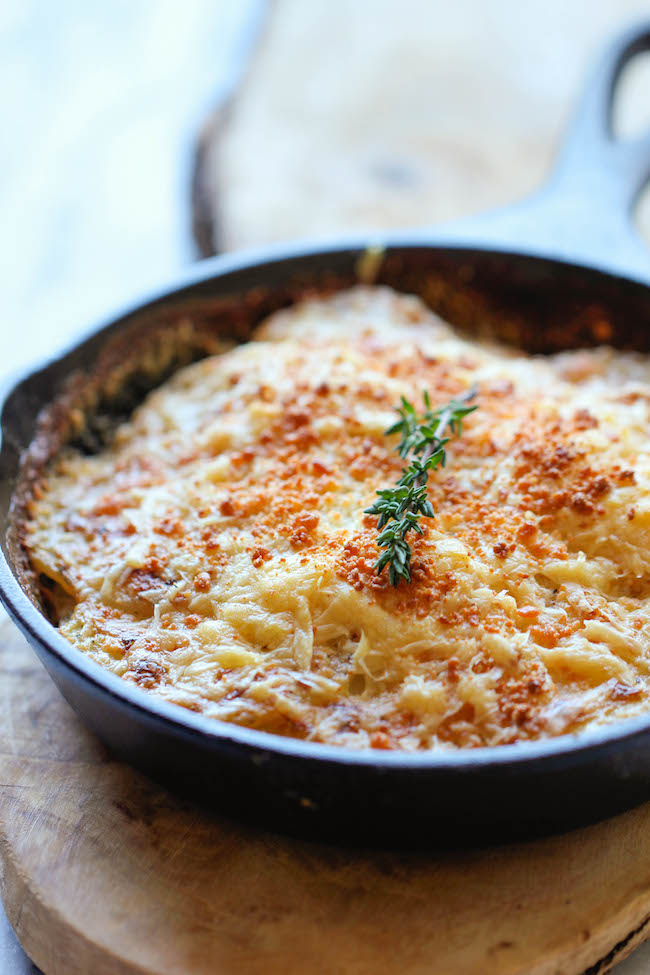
x: 217, y: 554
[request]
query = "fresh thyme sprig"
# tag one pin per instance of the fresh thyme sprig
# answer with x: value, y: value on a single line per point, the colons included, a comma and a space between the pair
x: 400, y: 508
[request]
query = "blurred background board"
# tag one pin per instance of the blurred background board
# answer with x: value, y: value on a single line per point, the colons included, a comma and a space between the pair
x: 372, y: 114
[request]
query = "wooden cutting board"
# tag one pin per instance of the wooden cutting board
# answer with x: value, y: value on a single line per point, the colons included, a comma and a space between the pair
x: 104, y: 872
x: 378, y: 114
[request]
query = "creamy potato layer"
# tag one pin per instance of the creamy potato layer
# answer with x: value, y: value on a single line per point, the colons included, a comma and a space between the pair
x: 218, y: 554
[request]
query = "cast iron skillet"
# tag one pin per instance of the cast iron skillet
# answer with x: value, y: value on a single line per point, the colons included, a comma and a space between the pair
x: 564, y: 268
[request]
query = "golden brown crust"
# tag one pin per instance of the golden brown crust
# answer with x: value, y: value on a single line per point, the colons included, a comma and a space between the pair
x: 218, y: 554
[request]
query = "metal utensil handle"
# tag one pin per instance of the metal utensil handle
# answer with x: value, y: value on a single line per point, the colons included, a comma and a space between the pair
x: 592, y: 158
x: 584, y: 211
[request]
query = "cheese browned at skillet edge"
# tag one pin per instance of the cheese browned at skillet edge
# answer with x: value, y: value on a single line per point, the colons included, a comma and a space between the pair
x: 217, y: 554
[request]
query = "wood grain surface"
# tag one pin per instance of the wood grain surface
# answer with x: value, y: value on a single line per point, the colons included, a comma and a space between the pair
x: 106, y: 873
x: 376, y: 114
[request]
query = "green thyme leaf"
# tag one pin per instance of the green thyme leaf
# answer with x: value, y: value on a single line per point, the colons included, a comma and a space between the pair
x: 399, y: 508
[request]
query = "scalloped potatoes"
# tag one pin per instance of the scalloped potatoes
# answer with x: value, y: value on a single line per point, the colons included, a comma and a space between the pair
x: 218, y: 554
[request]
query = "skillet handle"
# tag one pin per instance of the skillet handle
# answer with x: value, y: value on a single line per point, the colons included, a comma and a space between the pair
x: 584, y: 212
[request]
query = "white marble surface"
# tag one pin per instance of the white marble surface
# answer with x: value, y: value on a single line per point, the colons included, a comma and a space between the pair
x: 638, y: 963
x: 101, y: 105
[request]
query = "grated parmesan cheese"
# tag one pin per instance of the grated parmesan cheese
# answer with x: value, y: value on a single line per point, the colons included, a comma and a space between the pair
x: 217, y: 554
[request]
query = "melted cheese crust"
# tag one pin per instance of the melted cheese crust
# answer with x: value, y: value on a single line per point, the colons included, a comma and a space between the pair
x: 218, y: 554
